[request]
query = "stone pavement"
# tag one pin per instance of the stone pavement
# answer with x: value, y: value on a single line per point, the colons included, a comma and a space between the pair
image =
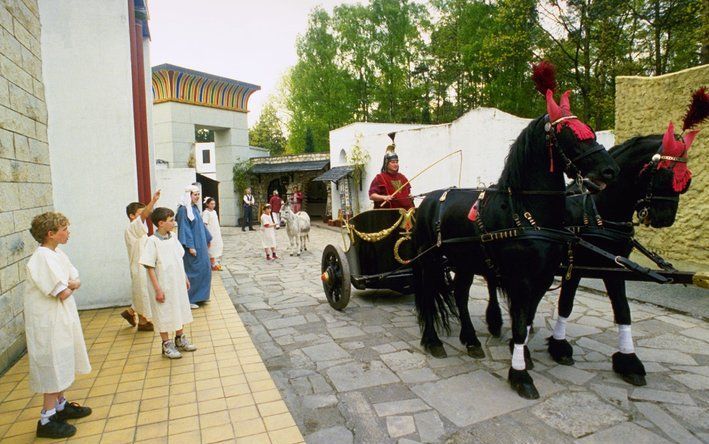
x: 360, y: 376
x: 220, y: 393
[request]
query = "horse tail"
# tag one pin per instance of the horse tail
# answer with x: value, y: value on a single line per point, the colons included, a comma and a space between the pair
x: 434, y: 297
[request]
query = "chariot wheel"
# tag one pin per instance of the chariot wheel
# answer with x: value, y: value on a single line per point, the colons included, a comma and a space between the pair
x: 335, y: 277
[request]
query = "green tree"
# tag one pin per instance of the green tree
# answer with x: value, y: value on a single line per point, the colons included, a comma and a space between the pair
x: 398, y: 47
x: 267, y: 132
x: 320, y: 92
x: 309, y: 142
x: 671, y: 33
x: 355, y: 34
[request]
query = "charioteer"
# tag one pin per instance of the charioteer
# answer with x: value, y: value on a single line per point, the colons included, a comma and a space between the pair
x: 390, y: 188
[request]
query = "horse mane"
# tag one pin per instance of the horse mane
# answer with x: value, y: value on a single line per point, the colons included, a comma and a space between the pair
x: 518, y: 157
x: 636, y: 147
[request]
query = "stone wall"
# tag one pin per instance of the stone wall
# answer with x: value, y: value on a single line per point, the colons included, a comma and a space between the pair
x: 25, y: 185
x: 645, y: 105
x: 291, y: 158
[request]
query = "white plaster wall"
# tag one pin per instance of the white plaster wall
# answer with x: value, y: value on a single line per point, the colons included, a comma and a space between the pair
x: 606, y: 138
x: 172, y: 183
x: 205, y: 168
x: 87, y: 77
x: 173, y: 131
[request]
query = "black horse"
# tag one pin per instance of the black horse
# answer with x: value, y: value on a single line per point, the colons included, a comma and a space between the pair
x: 605, y: 219
x: 516, y: 238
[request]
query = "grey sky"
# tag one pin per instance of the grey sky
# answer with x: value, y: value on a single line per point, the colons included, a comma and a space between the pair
x: 248, y: 40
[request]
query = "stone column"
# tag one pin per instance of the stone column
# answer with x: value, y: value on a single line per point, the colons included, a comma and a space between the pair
x: 230, y: 146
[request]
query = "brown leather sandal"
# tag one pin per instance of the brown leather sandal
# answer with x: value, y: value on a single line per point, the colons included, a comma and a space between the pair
x: 148, y: 326
x: 129, y: 317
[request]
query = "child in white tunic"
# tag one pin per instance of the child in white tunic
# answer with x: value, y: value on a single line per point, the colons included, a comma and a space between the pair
x: 55, y: 341
x: 268, y: 233
x: 136, y: 235
x: 211, y: 220
x: 169, y: 303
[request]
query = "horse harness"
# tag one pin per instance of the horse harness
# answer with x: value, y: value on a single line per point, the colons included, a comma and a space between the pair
x: 642, y: 205
x: 531, y: 230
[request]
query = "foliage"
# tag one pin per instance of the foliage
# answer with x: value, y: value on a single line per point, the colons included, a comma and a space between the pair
x: 309, y: 142
x: 418, y: 61
x: 268, y: 132
x: 242, y: 177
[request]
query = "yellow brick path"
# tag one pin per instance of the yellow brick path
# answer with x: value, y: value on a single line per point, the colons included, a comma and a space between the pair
x: 220, y: 393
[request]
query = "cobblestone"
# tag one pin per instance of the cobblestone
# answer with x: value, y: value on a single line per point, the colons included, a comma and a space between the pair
x: 359, y: 375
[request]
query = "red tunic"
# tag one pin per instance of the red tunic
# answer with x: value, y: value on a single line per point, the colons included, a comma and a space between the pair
x: 275, y: 202
x: 296, y: 201
x: 385, y: 184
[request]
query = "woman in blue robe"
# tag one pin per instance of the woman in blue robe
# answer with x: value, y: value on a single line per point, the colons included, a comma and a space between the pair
x: 195, y: 238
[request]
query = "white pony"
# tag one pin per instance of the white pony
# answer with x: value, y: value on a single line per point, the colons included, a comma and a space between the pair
x: 298, y: 229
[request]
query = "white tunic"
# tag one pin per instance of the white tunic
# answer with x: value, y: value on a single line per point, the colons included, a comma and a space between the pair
x: 211, y: 220
x: 136, y: 236
x: 268, y: 234
x: 55, y: 342
x: 165, y: 256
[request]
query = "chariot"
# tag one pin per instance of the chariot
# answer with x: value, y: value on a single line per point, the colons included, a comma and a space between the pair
x: 375, y: 255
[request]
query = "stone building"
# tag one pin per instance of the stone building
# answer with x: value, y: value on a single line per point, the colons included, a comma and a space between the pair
x: 282, y: 173
x: 186, y: 100
x: 74, y: 137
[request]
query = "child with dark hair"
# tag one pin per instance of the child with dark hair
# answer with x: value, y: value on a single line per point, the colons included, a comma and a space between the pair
x: 135, y: 236
x: 211, y: 221
x: 55, y: 341
x: 268, y: 234
x: 169, y: 303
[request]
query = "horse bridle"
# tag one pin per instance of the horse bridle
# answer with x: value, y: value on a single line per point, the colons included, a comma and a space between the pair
x: 642, y: 205
x: 570, y: 167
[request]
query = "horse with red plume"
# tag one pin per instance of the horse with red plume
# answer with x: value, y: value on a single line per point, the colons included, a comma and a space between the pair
x: 516, y: 237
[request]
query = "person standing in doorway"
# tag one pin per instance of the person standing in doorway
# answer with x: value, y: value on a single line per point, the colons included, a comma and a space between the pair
x: 249, y: 203
x: 276, y: 202
x: 195, y: 239
x: 296, y: 199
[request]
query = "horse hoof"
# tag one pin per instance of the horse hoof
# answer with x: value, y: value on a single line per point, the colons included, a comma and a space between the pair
x: 630, y: 368
x: 437, y: 351
x: 560, y: 351
x: 522, y: 383
x: 528, y: 363
x: 475, y: 351
x: 634, y: 379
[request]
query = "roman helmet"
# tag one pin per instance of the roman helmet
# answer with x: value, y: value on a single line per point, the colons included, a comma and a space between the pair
x: 390, y: 153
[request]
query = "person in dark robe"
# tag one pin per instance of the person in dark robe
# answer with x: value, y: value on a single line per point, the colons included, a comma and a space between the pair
x: 383, y: 189
x: 195, y: 239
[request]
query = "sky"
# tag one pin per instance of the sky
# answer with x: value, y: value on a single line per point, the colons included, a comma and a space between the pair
x: 248, y: 40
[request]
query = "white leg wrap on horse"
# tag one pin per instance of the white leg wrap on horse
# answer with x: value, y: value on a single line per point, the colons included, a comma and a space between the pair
x: 625, y: 339
x: 518, y: 357
x: 560, y: 328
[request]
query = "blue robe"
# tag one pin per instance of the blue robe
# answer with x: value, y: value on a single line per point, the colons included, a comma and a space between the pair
x: 193, y: 234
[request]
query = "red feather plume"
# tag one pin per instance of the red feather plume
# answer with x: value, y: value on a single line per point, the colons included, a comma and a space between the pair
x: 544, y: 76
x: 698, y: 110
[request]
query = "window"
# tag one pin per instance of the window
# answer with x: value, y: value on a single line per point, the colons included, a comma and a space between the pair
x: 206, y: 156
